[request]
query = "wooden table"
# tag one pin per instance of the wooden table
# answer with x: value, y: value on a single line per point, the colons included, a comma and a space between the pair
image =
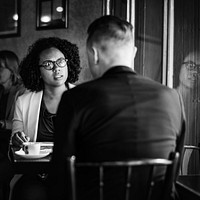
x: 188, y: 187
x: 23, y: 165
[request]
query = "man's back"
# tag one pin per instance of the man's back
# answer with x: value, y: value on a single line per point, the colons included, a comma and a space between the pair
x: 118, y: 116
x: 122, y: 116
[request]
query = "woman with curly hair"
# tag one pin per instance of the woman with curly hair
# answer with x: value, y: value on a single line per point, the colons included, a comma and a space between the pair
x: 49, y: 69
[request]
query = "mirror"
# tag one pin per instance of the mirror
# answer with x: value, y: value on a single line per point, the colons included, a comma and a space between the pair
x: 187, y: 70
x: 9, y: 18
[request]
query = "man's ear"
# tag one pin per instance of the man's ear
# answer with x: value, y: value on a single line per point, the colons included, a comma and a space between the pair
x: 95, y: 55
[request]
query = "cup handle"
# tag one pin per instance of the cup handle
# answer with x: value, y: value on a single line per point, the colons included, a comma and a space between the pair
x: 25, y: 149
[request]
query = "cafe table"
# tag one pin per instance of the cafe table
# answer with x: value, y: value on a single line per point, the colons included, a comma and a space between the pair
x: 25, y: 164
x: 188, y: 187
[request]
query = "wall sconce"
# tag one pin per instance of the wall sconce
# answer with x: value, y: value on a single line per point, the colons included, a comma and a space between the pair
x: 52, y: 14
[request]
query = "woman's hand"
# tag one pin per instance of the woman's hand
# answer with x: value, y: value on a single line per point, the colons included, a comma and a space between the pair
x: 19, y: 138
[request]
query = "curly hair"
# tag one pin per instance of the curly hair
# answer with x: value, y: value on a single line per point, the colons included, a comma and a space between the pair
x: 29, y: 66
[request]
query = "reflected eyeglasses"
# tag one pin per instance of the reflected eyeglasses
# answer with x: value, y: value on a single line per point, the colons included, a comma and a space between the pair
x: 50, y: 64
x: 191, y: 66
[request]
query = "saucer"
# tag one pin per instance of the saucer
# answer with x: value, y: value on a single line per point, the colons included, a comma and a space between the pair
x: 22, y: 154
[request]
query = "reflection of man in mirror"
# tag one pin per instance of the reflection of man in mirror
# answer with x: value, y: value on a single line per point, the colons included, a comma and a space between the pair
x: 189, y: 88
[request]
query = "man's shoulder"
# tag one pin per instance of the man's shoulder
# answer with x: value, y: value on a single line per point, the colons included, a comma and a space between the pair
x: 139, y: 81
x: 149, y: 81
x: 149, y: 85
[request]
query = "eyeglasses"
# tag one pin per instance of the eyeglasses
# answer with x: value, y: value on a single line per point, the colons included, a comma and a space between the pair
x: 191, y: 66
x: 50, y: 64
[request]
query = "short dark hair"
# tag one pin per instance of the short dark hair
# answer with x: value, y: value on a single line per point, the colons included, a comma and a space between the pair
x: 107, y: 27
x: 29, y: 66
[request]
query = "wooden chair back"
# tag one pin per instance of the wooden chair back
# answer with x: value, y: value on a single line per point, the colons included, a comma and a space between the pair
x: 190, y: 153
x: 169, y: 177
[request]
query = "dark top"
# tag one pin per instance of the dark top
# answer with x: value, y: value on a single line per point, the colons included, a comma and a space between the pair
x: 7, y: 103
x: 7, y: 106
x: 122, y: 116
x: 46, y: 124
x: 3, y: 104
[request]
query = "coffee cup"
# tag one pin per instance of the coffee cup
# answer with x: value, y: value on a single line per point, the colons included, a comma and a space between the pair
x: 32, y: 148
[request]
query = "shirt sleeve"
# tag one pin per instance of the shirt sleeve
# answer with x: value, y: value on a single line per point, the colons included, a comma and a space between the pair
x: 17, y: 124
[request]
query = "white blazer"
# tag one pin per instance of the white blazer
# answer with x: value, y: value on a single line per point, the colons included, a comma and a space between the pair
x: 26, y: 114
